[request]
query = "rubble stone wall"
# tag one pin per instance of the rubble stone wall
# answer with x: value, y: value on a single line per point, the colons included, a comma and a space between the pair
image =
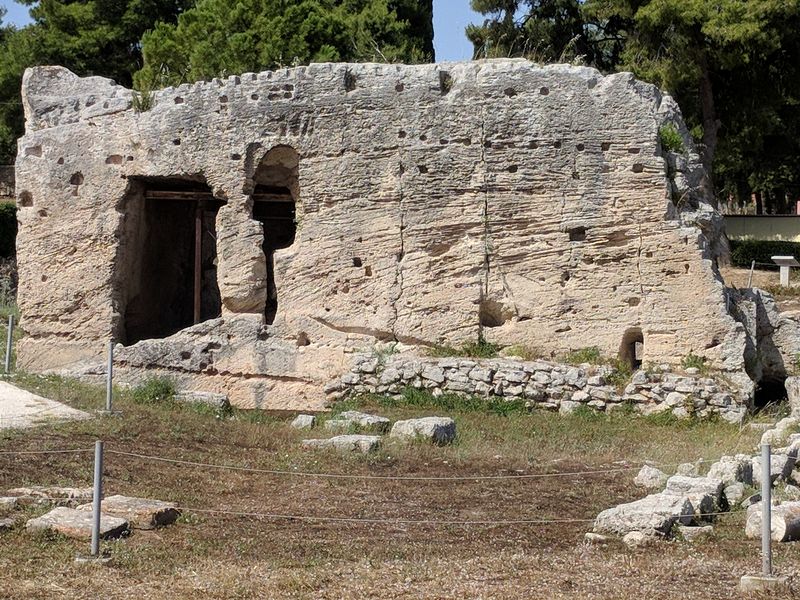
x: 436, y: 204
x: 543, y: 384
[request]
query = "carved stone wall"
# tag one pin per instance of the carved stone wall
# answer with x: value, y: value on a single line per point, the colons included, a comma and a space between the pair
x: 434, y: 204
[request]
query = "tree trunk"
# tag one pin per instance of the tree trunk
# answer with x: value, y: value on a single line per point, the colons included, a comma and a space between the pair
x: 743, y: 195
x: 759, y: 204
x: 709, y: 116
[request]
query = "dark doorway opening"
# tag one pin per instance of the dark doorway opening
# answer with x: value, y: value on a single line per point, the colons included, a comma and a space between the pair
x: 769, y: 392
x: 274, y: 206
x: 631, y: 350
x: 172, y: 266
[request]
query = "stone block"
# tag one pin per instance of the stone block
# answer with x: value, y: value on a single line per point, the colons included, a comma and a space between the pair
x: 346, y: 443
x: 303, y: 422
x: 77, y: 524
x: 361, y: 421
x: 140, y: 513
x: 438, y: 430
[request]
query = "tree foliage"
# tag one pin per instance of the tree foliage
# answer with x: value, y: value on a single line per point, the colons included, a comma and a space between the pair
x: 219, y: 37
x: 731, y: 64
x: 90, y: 37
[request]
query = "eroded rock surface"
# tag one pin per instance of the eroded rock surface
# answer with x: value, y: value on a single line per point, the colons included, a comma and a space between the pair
x: 532, y: 205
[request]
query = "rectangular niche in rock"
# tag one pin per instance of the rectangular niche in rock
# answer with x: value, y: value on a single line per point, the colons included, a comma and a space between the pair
x: 168, y: 275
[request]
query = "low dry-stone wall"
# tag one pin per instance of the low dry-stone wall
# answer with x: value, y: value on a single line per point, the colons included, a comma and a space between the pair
x: 541, y: 384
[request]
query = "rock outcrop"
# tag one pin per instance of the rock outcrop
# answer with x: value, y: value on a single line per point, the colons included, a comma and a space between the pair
x: 342, y: 205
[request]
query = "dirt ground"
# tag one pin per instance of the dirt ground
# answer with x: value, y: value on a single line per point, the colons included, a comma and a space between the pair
x: 788, y: 298
x: 209, y: 555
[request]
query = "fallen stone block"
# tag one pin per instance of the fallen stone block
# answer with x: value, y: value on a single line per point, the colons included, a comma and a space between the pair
x: 77, y: 524
x: 346, y: 443
x: 362, y: 421
x: 595, y: 538
x: 687, y: 470
x: 734, y: 493
x: 778, y: 435
x: 781, y: 466
x: 438, y: 430
x: 304, y: 422
x: 732, y: 469
x: 8, y: 501
x: 211, y: 399
x: 658, y: 512
x: 706, y: 494
x: 141, y: 513
x: 695, y: 534
x: 44, y: 495
x: 638, y: 539
x: 785, y: 522
x: 651, y: 478
x: 7, y: 524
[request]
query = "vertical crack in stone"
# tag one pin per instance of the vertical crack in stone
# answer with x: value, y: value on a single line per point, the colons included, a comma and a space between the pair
x: 639, y: 260
x: 485, y: 217
x: 398, y: 278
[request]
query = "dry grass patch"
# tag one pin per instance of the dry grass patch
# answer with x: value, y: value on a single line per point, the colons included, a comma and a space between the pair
x: 210, y: 555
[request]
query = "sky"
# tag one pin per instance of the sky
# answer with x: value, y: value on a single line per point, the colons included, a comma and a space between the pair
x: 450, y: 17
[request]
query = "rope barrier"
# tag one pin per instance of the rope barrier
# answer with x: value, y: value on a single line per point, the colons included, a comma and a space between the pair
x: 383, y: 477
x: 375, y: 521
x: 378, y: 521
x: 70, y: 451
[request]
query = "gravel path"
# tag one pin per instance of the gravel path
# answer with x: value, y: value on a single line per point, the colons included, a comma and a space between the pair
x: 20, y: 409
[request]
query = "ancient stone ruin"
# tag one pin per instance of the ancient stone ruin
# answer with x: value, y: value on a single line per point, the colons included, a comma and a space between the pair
x: 249, y: 236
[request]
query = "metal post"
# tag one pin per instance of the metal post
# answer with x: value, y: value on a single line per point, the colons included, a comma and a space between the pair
x: 110, y: 377
x: 98, y: 495
x: 766, y: 511
x: 750, y: 279
x: 9, y: 339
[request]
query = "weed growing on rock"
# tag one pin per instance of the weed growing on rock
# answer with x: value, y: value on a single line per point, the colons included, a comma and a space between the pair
x: 671, y: 140
x: 580, y: 356
x: 479, y: 349
x: 425, y: 399
x: 693, y: 361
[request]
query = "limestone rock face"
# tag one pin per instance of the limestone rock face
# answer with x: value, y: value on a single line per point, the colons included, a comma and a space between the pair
x: 77, y: 524
x: 439, y: 430
x: 532, y: 205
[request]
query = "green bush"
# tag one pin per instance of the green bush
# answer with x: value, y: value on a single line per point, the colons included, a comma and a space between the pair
x: 8, y: 229
x: 589, y: 355
x: 744, y: 252
x: 419, y: 398
x: 479, y: 349
x: 671, y: 139
x: 693, y: 361
x: 154, y: 390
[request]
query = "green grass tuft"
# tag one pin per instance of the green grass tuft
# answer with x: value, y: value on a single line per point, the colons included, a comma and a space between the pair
x: 671, y: 140
x: 154, y: 390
